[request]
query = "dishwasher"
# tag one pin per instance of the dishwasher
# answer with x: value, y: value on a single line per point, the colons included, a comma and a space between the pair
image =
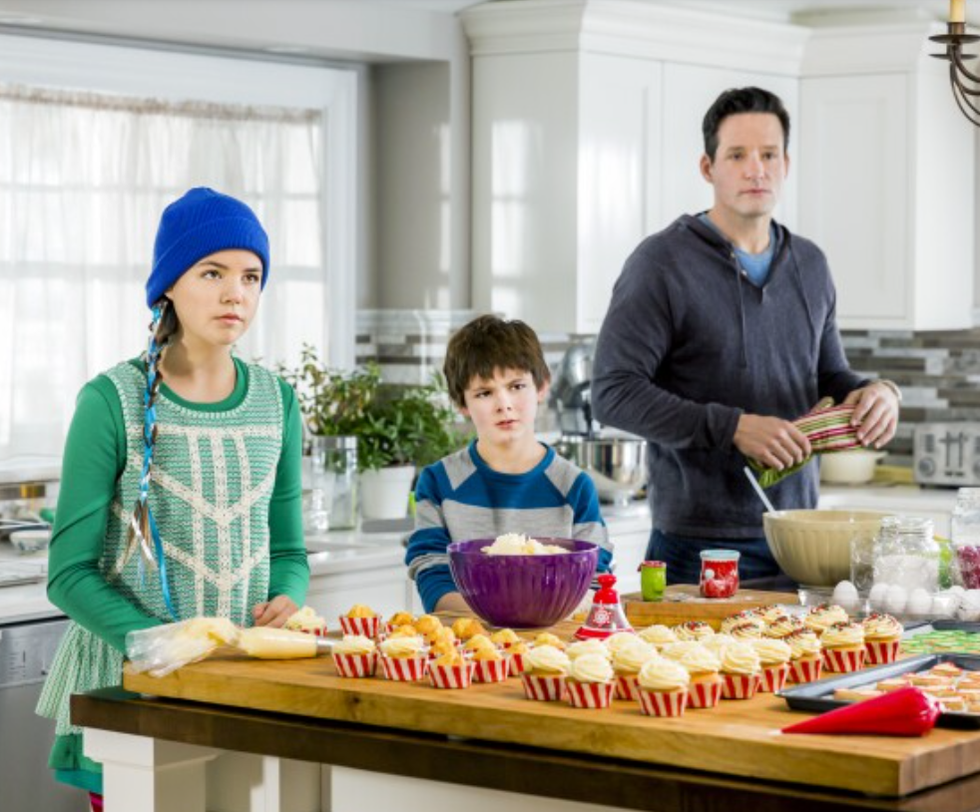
x: 27, y: 784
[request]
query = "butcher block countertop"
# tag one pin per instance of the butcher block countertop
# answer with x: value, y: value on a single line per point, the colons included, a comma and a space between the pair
x: 738, y: 738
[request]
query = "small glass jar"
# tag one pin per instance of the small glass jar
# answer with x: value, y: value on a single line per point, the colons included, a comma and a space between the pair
x: 965, y: 538
x: 653, y: 580
x: 719, y: 573
x: 334, y: 471
x: 906, y: 554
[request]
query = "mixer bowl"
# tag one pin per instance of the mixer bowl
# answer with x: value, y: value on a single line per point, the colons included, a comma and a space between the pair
x: 617, y: 465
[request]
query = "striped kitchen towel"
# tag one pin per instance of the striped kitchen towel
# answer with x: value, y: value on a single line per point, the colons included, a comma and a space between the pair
x: 828, y: 429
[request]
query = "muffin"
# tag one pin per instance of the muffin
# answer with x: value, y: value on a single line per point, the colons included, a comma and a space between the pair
x: 427, y: 625
x: 477, y: 642
x: 490, y: 665
x: 545, y: 671
x: 783, y: 625
x: 590, y: 682
x: 704, y: 690
x: 307, y: 620
x: 824, y: 615
x: 740, y: 670
x: 516, y: 655
x: 451, y: 670
x: 403, y: 659
x: 663, y: 688
x: 658, y: 635
x: 466, y: 627
x: 400, y: 619
x: 627, y: 662
x: 693, y: 630
x: 504, y: 638
x: 806, y: 656
x: 843, y: 647
x: 361, y: 619
x: 355, y: 656
x: 406, y: 630
x: 774, y: 656
x: 882, y: 638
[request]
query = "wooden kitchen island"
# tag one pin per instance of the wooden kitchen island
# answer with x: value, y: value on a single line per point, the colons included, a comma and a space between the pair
x: 408, y: 747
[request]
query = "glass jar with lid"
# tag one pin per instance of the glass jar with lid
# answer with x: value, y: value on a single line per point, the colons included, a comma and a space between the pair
x: 906, y: 554
x: 965, y: 538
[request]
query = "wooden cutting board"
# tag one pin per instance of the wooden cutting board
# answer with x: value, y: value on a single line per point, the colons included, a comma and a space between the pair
x: 682, y: 602
x: 736, y: 738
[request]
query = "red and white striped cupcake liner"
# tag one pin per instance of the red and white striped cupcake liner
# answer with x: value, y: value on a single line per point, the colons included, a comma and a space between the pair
x: 704, y: 694
x: 404, y: 669
x: 451, y: 676
x: 739, y: 686
x: 843, y: 661
x: 491, y: 670
x: 590, y: 695
x: 627, y: 687
x: 516, y: 660
x: 319, y: 631
x: 881, y: 652
x: 801, y: 671
x: 773, y: 678
x: 366, y: 626
x: 356, y: 665
x: 543, y: 689
x: 662, y: 703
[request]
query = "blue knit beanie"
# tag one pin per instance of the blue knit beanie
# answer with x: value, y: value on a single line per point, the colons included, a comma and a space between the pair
x: 200, y: 223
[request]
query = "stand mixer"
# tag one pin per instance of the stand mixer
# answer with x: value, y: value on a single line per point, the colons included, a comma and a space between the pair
x: 617, y: 463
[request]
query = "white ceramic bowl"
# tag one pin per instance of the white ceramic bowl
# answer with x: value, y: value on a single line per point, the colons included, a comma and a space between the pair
x: 849, y: 467
x: 30, y: 541
x: 813, y: 547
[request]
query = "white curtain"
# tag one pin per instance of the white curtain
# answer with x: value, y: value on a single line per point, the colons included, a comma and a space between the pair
x: 83, y: 181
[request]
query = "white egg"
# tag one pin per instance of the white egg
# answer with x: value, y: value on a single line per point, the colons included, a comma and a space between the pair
x: 845, y: 592
x: 877, y: 595
x: 956, y: 589
x: 944, y: 604
x: 920, y: 602
x: 971, y: 598
x: 895, y: 599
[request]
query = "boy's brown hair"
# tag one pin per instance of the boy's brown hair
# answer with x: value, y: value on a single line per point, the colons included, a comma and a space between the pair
x: 490, y: 343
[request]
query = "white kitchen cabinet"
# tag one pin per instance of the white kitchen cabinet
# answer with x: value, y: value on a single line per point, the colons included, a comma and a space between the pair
x: 382, y: 588
x: 586, y: 138
x: 886, y: 165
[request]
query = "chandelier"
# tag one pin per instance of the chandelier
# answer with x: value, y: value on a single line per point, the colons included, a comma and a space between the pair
x: 967, y: 97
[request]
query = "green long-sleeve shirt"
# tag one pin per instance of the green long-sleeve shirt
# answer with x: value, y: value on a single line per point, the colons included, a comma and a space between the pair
x: 95, y: 456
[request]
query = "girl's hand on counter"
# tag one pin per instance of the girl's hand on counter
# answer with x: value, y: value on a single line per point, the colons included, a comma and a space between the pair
x: 274, y: 613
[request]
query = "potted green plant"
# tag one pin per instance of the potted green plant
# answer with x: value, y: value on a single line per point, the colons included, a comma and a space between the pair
x: 398, y: 428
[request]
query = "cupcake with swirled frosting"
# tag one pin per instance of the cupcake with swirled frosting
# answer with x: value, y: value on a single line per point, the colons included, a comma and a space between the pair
x: 882, y: 636
x: 693, y: 630
x: 783, y: 625
x: 355, y: 656
x: 806, y: 656
x: 749, y: 630
x: 774, y: 656
x: 590, y: 682
x: 590, y: 646
x: 545, y: 671
x: 843, y: 647
x: 703, y: 666
x: 663, y: 687
x: 627, y: 661
x: 820, y: 617
x: 745, y: 616
x: 740, y: 670
x: 658, y: 635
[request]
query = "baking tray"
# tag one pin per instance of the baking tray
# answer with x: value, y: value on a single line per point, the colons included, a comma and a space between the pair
x: 818, y: 696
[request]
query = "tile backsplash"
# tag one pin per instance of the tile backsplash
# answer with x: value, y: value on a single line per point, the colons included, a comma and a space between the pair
x: 939, y: 372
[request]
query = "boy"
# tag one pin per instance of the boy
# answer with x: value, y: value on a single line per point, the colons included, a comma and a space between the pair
x: 505, y: 481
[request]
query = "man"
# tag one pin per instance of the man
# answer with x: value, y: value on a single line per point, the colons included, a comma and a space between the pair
x: 721, y: 330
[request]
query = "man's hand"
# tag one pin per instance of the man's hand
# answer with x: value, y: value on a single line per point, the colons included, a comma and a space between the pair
x: 771, y: 441
x: 274, y: 613
x: 875, y: 415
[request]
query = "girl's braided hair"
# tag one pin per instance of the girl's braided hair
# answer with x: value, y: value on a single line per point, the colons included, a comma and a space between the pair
x: 142, y: 526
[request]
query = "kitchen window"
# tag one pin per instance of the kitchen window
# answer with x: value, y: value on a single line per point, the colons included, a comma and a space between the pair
x: 87, y: 165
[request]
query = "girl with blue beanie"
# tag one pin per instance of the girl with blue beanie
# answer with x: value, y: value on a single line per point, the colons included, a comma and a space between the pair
x: 180, y: 487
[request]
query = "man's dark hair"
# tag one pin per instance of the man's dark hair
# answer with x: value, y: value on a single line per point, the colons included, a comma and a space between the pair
x: 741, y: 100
x: 489, y: 343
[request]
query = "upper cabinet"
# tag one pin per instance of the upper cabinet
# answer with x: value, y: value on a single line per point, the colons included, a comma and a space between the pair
x: 586, y: 138
x: 886, y: 168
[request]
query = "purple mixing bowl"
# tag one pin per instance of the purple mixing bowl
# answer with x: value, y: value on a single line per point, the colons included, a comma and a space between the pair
x: 523, y: 591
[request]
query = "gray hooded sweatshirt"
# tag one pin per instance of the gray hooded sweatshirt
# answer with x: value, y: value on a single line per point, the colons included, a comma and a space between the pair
x: 689, y: 344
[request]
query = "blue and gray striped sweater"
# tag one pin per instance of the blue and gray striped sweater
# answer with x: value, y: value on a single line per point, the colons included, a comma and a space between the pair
x: 461, y: 498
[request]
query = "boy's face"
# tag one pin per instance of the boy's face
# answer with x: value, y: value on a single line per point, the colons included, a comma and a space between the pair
x: 503, y: 408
